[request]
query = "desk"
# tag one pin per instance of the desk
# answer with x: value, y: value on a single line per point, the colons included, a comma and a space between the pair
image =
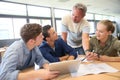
x: 103, y: 76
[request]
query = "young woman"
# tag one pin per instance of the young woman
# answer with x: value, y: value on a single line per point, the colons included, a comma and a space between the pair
x: 104, y: 46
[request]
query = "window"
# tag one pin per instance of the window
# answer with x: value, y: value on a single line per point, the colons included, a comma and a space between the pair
x: 12, y: 9
x: 41, y: 21
x: 112, y: 18
x: 17, y: 24
x: 10, y: 27
x: 58, y: 24
x: 98, y: 17
x: 59, y: 13
x: 89, y: 16
x: 92, y: 27
x: 6, y: 29
x: 115, y: 32
x: 105, y: 17
x: 39, y: 11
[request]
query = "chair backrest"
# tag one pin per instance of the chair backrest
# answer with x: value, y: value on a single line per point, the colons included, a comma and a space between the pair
x: 7, y: 42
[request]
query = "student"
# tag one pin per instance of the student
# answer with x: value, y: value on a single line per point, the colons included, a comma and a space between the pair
x: 54, y: 49
x: 75, y: 29
x: 105, y: 46
x: 22, y: 54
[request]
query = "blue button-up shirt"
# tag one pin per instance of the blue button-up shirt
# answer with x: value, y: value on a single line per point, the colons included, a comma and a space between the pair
x: 15, y: 58
x: 61, y: 49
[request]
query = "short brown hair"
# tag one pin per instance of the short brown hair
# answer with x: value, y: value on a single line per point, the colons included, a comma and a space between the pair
x: 30, y: 31
x: 109, y: 25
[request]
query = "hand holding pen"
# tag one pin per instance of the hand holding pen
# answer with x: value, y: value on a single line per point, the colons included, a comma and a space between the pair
x: 85, y: 57
x: 91, y: 56
x: 88, y: 55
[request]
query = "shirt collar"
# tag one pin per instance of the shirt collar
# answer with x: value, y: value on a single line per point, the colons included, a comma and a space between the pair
x: 27, y: 51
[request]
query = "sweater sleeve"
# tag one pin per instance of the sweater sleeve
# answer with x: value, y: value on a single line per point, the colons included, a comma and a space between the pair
x: 46, y: 52
x: 68, y: 49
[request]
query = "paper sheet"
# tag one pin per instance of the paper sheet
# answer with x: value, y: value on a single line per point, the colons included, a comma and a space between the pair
x: 93, y: 68
x: 85, y: 60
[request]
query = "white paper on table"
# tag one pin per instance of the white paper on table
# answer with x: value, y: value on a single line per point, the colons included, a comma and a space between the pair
x: 36, y: 67
x: 80, y: 58
x: 93, y: 68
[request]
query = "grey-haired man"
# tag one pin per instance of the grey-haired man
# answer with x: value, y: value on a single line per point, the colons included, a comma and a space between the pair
x: 75, y: 29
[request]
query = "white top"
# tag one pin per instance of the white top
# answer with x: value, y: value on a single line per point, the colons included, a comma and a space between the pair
x: 74, y: 30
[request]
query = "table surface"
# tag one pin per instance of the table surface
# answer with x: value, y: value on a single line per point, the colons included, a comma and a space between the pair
x: 2, y: 49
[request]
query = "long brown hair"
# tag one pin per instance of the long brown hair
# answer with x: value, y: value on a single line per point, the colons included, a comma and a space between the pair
x: 109, y: 25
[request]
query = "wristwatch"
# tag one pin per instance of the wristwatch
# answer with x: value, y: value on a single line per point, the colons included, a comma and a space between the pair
x: 87, y: 50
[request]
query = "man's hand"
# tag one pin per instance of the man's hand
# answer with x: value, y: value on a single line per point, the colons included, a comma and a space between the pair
x: 63, y: 58
x: 71, y: 58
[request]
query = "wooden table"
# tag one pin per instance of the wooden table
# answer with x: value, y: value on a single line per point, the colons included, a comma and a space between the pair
x: 103, y: 76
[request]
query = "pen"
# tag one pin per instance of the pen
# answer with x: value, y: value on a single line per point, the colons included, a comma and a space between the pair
x: 85, y: 57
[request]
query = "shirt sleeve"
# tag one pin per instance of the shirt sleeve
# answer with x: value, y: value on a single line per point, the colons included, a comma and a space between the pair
x: 46, y: 54
x: 63, y: 28
x: 86, y: 29
x: 68, y: 49
x: 117, y: 45
x: 40, y: 60
x: 8, y: 66
x: 91, y: 44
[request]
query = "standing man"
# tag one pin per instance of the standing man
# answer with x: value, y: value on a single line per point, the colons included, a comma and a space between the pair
x: 23, y: 54
x: 54, y: 49
x: 75, y: 29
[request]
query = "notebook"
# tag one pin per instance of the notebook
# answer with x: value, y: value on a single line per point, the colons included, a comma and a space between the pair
x: 93, y: 68
x: 64, y: 67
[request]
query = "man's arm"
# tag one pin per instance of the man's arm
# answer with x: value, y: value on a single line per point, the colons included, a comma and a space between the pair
x: 68, y: 49
x: 64, y: 36
x: 64, y: 32
x: 71, y: 57
x: 24, y: 75
x: 43, y: 74
x: 47, y: 55
x: 85, y: 41
x: 63, y: 58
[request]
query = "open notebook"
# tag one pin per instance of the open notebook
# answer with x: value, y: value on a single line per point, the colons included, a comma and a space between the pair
x: 64, y: 67
x: 93, y: 68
